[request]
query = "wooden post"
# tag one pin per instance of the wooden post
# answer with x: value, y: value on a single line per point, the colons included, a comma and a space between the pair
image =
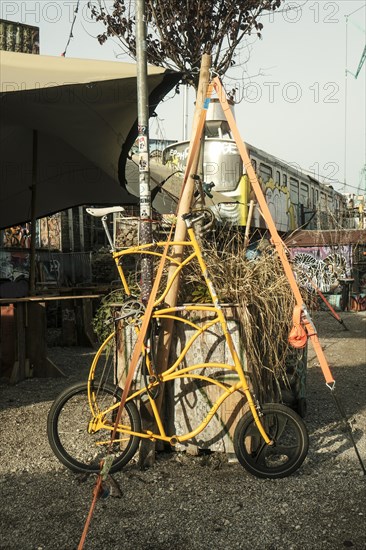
x: 39, y: 364
x: 32, y: 274
x: 275, y: 237
x: 183, y: 208
x: 249, y: 221
x: 147, y: 448
x: 69, y: 335
x: 18, y: 372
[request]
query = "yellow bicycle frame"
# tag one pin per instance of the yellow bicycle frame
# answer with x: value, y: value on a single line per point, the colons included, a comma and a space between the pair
x: 173, y: 372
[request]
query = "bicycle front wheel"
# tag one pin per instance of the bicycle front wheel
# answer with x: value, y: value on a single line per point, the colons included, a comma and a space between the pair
x: 67, y: 430
x: 290, y: 442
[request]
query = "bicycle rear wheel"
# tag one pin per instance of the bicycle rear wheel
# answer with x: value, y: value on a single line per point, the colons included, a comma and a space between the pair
x: 67, y: 430
x: 289, y: 434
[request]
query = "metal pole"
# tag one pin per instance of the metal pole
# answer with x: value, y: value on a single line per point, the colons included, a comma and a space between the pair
x: 143, y: 145
x: 185, y: 112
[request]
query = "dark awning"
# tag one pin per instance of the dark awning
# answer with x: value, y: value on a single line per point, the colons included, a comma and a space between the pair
x: 85, y: 115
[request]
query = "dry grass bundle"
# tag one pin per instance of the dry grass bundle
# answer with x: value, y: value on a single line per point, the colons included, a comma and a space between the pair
x: 251, y: 278
x: 254, y: 280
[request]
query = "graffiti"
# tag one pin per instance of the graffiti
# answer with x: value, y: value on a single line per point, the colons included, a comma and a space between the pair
x: 176, y: 159
x: 321, y: 267
x: 279, y: 203
x: 358, y: 302
x: 68, y: 315
x: 50, y: 232
x: 18, y: 236
x: 280, y: 206
x: 363, y: 280
x: 49, y: 271
x: 13, y: 266
x: 55, y: 269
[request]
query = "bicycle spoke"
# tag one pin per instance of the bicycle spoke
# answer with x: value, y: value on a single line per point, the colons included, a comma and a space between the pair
x: 290, y: 442
x: 74, y: 445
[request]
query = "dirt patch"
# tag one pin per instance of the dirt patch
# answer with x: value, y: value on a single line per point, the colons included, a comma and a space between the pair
x: 187, y: 502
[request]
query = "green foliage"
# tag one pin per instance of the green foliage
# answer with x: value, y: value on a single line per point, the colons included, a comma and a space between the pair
x: 201, y: 294
x: 103, y: 323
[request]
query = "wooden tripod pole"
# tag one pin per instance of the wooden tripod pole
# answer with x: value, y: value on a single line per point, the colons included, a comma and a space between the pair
x: 165, y: 340
x: 187, y: 193
x: 275, y: 237
x: 185, y: 203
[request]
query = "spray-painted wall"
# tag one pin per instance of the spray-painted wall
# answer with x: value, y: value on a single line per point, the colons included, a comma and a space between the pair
x: 327, y: 267
x: 322, y: 266
x: 53, y: 269
x: 50, y: 232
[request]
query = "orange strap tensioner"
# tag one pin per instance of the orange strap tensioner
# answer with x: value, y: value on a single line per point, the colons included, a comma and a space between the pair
x: 298, y: 335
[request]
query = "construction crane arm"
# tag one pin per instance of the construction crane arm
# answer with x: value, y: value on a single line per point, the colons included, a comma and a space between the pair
x: 362, y: 61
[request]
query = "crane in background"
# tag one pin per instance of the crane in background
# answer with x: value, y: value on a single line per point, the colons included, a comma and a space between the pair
x: 362, y: 61
x: 360, y: 65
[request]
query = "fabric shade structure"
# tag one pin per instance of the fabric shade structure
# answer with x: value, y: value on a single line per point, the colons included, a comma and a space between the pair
x: 74, y: 121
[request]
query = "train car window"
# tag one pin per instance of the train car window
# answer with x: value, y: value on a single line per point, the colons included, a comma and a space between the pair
x: 323, y: 203
x: 313, y: 193
x: 294, y: 191
x: 265, y: 172
x: 254, y: 164
x: 304, y: 194
x: 317, y: 195
x: 330, y: 202
x: 278, y: 178
x: 284, y: 176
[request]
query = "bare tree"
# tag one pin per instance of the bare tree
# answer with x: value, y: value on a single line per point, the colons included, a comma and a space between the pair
x: 179, y: 32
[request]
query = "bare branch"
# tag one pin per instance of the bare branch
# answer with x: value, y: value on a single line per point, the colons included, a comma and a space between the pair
x: 179, y: 32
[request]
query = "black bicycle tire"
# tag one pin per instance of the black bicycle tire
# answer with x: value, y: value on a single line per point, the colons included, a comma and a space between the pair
x: 64, y: 456
x: 255, y: 463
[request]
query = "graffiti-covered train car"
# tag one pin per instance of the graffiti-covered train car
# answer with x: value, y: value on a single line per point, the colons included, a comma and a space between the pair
x: 295, y: 198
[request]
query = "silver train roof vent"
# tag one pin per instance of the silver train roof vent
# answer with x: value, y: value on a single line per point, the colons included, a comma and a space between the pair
x: 216, y: 123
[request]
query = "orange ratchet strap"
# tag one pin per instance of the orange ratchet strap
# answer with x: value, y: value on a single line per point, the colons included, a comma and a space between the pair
x: 276, y: 239
x: 298, y: 335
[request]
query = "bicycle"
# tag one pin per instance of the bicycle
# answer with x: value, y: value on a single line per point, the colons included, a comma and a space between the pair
x: 270, y: 440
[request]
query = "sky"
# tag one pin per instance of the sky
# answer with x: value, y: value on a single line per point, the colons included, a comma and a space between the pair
x: 297, y: 95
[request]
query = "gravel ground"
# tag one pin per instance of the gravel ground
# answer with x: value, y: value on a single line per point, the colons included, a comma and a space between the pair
x: 190, y: 502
